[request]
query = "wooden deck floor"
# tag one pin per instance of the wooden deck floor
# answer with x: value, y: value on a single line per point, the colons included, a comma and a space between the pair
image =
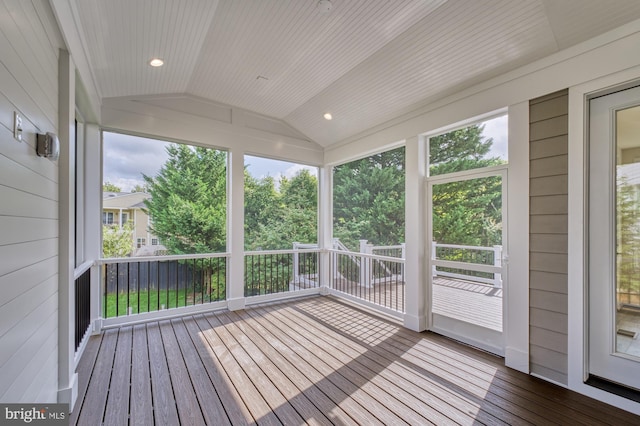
x: 470, y: 302
x: 310, y: 361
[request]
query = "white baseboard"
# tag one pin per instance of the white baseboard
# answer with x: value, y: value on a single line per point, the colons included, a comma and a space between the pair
x: 516, y: 359
x: 415, y: 322
x: 236, y: 304
x: 70, y: 394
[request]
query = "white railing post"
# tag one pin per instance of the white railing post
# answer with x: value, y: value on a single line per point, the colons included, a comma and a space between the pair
x: 364, y: 264
x: 497, y: 261
x: 433, y: 257
x: 334, y: 274
x: 296, y: 263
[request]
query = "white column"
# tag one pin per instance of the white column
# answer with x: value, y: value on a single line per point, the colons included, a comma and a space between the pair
x: 67, y: 378
x: 415, y: 220
x: 516, y: 281
x: 325, y: 227
x: 93, y: 215
x: 235, y: 230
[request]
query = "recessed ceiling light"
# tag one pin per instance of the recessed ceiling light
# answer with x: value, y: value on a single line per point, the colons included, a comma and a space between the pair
x: 327, y: 116
x: 156, y: 62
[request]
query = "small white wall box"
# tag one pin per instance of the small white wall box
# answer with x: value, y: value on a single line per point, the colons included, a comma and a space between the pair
x: 48, y: 146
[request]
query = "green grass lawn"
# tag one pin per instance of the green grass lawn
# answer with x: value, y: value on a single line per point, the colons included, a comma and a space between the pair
x: 150, y: 301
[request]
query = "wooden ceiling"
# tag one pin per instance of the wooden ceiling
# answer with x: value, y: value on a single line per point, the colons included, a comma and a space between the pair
x: 365, y: 61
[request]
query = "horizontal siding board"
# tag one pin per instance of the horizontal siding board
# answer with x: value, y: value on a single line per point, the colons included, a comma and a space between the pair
x: 27, y: 205
x: 29, y: 51
x: 549, y: 339
x: 548, y: 262
x: 549, y: 185
x: 13, y: 313
x: 548, y: 243
x: 14, y: 230
x: 549, y: 147
x: 548, y: 320
x: 548, y: 224
x: 17, y: 345
x: 32, y: 393
x: 24, y: 77
x: 552, y: 108
x: 18, y: 256
x: 49, y: 375
x: 548, y: 281
x: 30, y: 372
x: 548, y: 240
x: 549, y: 97
x: 24, y: 153
x: 550, y: 166
x: 16, y: 176
x: 549, y: 128
x: 548, y: 357
x: 549, y: 204
x: 40, y: 61
x: 29, y: 277
x: 548, y: 373
x: 555, y: 302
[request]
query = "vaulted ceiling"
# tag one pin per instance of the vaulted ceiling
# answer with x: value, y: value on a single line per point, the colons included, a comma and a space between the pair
x: 364, y: 61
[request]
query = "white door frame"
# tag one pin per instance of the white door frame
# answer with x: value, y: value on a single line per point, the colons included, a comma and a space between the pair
x: 494, y: 341
x: 604, y: 360
x: 577, y: 233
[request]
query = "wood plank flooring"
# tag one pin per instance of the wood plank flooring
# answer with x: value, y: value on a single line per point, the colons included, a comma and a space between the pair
x: 475, y: 303
x: 310, y: 361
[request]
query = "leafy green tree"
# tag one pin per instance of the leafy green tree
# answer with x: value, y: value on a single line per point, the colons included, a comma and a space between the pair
x: 116, y: 241
x: 628, y: 241
x: 466, y: 212
x: 368, y: 199
x: 110, y: 187
x: 275, y: 218
x: 188, y: 200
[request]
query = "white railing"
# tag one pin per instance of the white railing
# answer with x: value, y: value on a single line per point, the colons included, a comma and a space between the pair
x: 367, y: 278
x: 147, y: 284
x: 371, y: 279
x: 281, y: 271
x: 494, y: 268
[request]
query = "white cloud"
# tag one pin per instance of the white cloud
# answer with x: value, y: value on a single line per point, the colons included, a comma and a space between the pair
x: 497, y: 129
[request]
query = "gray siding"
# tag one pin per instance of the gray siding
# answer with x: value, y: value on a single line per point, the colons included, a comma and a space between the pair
x: 548, y: 235
x: 29, y: 43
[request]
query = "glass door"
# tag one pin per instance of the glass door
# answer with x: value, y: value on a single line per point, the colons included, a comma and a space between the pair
x: 467, y: 223
x: 614, y: 238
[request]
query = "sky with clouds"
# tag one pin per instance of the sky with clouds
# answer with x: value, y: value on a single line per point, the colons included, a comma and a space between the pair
x: 127, y: 158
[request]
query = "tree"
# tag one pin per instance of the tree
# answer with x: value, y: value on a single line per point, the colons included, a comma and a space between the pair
x: 466, y: 212
x: 139, y: 188
x: 188, y: 200
x: 368, y: 199
x: 116, y: 241
x: 275, y: 218
x: 110, y: 187
x: 628, y: 240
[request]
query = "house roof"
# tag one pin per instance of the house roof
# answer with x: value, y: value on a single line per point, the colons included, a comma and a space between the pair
x: 124, y: 200
x: 364, y: 61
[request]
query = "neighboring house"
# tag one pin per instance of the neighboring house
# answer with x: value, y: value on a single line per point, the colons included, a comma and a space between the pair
x: 119, y: 208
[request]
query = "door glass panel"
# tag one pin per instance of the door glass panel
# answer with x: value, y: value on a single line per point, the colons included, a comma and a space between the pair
x: 467, y: 251
x: 628, y: 231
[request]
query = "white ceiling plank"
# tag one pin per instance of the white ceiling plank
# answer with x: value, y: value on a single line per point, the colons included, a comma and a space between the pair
x: 366, y: 61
